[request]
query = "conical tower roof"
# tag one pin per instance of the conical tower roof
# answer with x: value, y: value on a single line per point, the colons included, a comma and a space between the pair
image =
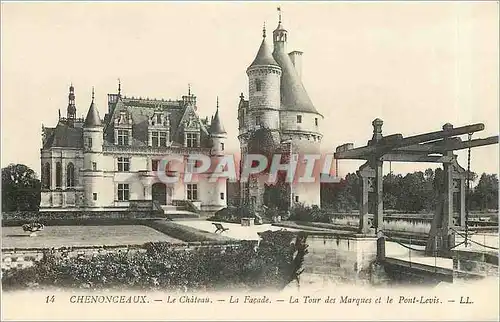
x: 293, y: 94
x: 92, y: 118
x: 216, y: 126
x: 264, y: 55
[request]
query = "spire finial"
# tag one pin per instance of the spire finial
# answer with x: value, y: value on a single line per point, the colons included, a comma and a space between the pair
x: 119, y: 87
x: 279, y: 13
x: 92, y: 94
x: 217, y: 102
x: 189, y: 89
x: 264, y: 30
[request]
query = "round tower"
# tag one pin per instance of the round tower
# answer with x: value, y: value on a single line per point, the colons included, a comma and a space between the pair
x: 299, y: 120
x: 218, y: 135
x: 264, y: 89
x: 92, y: 150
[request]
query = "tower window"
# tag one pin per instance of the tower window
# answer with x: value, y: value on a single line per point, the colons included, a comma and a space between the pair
x: 222, y: 196
x: 89, y: 143
x: 257, y: 119
x: 296, y: 198
x: 299, y: 118
x: 316, y: 121
x: 222, y: 146
x: 94, y: 196
x: 94, y: 166
x: 258, y: 85
x: 123, y: 164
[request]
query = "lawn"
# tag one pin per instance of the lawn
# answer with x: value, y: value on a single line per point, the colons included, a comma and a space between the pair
x: 59, y: 236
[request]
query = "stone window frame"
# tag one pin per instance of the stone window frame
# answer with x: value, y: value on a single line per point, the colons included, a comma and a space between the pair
x: 123, y: 192
x: 123, y: 164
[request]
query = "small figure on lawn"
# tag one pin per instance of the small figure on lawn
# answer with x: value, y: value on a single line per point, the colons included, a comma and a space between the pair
x: 33, y: 228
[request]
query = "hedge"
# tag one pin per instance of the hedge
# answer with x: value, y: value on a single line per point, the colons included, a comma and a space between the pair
x: 273, y: 264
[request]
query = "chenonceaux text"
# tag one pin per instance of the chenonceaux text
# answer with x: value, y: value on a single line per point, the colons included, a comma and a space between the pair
x: 108, y: 299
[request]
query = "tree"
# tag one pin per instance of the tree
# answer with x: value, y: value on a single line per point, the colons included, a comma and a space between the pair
x: 485, y: 194
x: 20, y: 188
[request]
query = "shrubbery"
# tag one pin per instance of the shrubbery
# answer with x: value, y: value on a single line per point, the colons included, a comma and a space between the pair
x: 300, y: 212
x: 233, y: 214
x: 274, y: 263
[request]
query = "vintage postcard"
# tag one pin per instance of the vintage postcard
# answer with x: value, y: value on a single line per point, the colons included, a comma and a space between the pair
x: 250, y: 160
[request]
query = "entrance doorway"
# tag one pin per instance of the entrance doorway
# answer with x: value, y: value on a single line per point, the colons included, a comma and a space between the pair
x: 159, y: 193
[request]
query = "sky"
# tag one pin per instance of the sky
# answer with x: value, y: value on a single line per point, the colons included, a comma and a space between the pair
x: 415, y: 65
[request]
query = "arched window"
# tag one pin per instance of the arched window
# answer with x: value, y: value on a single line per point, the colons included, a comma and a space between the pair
x: 58, y: 175
x: 46, y: 176
x: 70, y: 175
x: 258, y: 85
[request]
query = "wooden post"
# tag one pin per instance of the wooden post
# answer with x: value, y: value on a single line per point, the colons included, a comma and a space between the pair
x: 379, y: 195
x: 363, y: 207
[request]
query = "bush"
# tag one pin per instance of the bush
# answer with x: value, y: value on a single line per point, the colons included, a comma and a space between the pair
x: 273, y: 264
x: 300, y: 212
x: 233, y: 214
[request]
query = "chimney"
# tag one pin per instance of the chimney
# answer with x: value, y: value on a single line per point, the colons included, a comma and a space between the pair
x: 296, y: 58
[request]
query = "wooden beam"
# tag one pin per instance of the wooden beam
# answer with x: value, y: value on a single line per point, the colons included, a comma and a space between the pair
x: 397, y: 157
x: 382, y: 147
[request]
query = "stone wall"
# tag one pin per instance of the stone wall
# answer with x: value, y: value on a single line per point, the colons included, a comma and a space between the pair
x: 474, y: 264
x: 339, y: 258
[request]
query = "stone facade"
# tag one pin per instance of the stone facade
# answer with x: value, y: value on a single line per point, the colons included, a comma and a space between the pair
x: 104, y: 164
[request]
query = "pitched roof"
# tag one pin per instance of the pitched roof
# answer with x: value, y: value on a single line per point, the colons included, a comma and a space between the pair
x: 141, y: 110
x: 264, y: 56
x: 216, y: 126
x: 92, y: 118
x: 63, y: 136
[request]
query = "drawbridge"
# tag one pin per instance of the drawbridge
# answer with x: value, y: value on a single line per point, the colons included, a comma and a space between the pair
x: 447, y: 232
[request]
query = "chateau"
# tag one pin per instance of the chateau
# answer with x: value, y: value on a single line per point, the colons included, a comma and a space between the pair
x: 112, y: 163
x: 278, y: 117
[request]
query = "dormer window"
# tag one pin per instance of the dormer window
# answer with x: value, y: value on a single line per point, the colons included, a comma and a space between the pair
x: 191, y: 140
x: 258, y: 85
x: 123, y: 138
x: 158, y: 119
x: 257, y: 120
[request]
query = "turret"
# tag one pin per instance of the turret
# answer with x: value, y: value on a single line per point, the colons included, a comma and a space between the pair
x: 217, y: 133
x: 93, y: 140
x: 264, y: 89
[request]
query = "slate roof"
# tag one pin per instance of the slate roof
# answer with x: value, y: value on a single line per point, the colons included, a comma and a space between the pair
x: 293, y: 94
x: 64, y: 135
x: 141, y: 110
x: 264, y: 56
x: 92, y: 118
x: 216, y: 126
x: 67, y: 134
